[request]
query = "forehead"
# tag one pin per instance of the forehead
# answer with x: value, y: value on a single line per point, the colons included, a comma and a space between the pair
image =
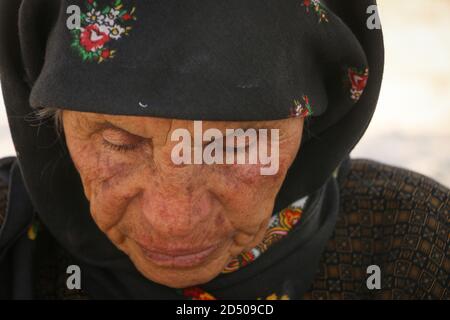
x: 151, y: 126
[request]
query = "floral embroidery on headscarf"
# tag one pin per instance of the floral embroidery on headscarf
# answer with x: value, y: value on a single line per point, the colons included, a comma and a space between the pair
x: 358, y: 80
x: 279, y: 227
x: 301, y: 108
x: 317, y: 7
x: 99, y: 27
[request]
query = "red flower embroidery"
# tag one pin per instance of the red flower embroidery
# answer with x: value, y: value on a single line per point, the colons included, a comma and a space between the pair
x: 292, y: 217
x: 317, y: 6
x: 301, y: 108
x: 126, y: 17
x: 92, y: 38
x: 106, y: 53
x: 358, y: 80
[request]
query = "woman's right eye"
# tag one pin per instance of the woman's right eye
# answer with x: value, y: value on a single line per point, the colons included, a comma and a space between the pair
x: 120, y: 141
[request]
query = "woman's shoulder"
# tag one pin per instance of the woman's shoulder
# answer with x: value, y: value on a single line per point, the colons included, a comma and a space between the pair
x: 375, y: 177
x: 50, y: 260
x: 392, y: 218
x: 393, y: 196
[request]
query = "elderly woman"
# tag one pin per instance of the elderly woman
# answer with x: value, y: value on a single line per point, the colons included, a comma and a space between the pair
x: 200, y: 150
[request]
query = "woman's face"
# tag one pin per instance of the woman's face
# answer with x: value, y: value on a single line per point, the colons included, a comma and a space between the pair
x: 179, y: 224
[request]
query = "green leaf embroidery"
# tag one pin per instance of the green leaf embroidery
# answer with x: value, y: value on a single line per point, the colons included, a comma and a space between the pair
x: 106, y: 10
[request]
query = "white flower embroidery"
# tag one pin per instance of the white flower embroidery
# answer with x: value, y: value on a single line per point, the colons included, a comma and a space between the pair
x: 116, y: 32
x: 104, y: 29
x: 95, y: 17
x: 111, y: 17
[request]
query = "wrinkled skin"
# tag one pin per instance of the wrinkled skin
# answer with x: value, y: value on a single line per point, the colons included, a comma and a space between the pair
x: 149, y: 207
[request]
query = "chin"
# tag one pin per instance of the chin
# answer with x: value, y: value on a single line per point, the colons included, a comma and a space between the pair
x: 178, y: 278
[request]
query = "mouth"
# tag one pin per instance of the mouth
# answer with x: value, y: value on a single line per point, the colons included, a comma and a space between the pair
x: 178, y: 258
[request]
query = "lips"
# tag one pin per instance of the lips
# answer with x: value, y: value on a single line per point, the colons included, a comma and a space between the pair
x: 180, y: 258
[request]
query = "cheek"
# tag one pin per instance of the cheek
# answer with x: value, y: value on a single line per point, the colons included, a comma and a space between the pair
x: 109, y: 181
x: 247, y: 181
x: 249, y: 196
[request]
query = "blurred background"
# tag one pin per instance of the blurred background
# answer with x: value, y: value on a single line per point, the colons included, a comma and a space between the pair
x: 411, y: 127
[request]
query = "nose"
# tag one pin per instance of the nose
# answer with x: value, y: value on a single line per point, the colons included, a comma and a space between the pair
x: 177, y: 207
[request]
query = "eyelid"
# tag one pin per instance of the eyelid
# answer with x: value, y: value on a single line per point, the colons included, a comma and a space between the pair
x: 121, y: 131
x: 122, y: 141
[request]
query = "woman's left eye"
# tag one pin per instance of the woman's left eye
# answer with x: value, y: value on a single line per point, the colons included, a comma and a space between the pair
x: 120, y: 141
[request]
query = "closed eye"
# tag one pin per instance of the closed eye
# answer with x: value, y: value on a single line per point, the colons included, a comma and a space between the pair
x: 120, y: 140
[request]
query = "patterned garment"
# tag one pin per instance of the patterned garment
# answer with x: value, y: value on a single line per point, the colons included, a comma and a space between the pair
x: 390, y: 217
x: 395, y: 219
x: 278, y: 228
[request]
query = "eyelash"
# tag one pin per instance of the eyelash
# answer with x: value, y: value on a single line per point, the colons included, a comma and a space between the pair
x: 120, y: 148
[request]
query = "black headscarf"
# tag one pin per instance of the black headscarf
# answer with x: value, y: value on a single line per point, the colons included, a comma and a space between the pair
x: 199, y: 60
